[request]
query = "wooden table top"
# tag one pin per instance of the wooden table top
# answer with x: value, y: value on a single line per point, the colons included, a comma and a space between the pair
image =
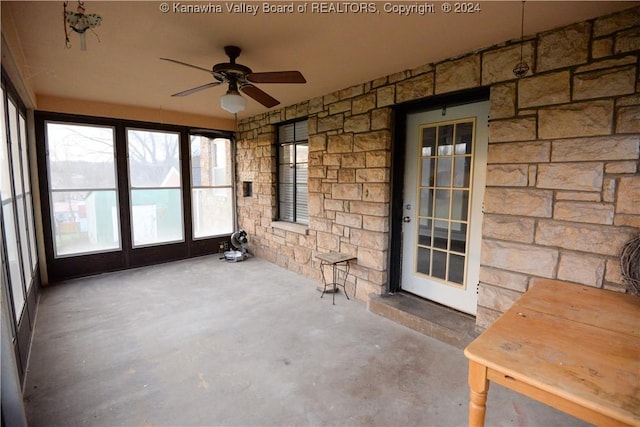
x: 573, y: 341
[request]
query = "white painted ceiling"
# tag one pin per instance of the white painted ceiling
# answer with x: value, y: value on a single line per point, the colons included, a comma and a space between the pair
x: 333, y: 50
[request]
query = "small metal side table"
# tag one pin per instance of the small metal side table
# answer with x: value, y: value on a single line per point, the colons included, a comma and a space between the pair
x: 335, y: 260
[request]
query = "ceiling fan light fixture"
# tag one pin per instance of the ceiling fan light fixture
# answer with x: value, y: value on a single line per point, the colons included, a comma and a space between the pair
x: 233, y: 102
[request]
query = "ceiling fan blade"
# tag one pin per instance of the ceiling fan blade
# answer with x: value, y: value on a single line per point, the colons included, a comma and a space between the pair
x: 187, y: 65
x: 196, y: 89
x: 277, y: 77
x: 259, y: 95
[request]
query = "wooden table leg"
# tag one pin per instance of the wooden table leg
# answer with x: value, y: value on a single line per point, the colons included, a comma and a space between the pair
x: 479, y: 386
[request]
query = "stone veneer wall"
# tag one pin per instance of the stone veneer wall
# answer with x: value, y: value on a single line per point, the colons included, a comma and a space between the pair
x: 562, y: 192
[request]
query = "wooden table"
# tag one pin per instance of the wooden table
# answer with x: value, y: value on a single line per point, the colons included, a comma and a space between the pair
x: 572, y: 347
x: 334, y: 260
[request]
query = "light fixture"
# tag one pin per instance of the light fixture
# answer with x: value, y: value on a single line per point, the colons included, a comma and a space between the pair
x: 232, y: 101
x: 522, y: 68
x: 80, y: 23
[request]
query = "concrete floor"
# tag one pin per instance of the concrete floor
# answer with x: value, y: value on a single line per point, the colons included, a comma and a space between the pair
x: 205, y: 342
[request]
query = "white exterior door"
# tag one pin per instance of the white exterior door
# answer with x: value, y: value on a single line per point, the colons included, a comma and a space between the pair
x: 444, y: 183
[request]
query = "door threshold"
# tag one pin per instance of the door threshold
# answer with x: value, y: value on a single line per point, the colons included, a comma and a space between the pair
x: 427, y: 317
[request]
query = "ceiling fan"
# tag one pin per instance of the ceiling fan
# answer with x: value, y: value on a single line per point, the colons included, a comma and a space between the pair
x: 240, y: 77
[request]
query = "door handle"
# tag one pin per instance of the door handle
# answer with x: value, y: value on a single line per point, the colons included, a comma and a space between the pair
x: 406, y: 219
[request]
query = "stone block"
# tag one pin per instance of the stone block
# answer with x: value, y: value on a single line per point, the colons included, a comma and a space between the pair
x: 346, y: 191
x: 386, y: 96
x: 317, y: 142
x: 372, y: 175
x: 399, y: 76
x: 502, y: 101
x: 315, y: 105
x: 351, y: 92
x: 507, y: 175
x: 544, y: 89
x: 375, y: 192
x: 377, y: 159
x: 628, y: 119
x: 592, y: 213
x: 609, y: 189
x: 353, y: 160
x: 513, y: 201
x: 613, y: 272
x: 607, y: 63
x: 533, y: 175
x: 458, y: 74
x: 497, y: 298
x: 519, y: 152
x: 611, y: 82
x: 334, y: 205
x: 369, y: 239
x: 623, y: 220
x: 628, y: 41
x: 519, y: 257
x: 381, y: 119
x: 614, y: 147
x: 331, y: 98
x: 590, y: 238
x: 627, y: 167
x: 601, y: 48
x: 564, y: 47
x: 327, y: 241
x: 581, y: 268
x: 342, y: 143
x: 515, y: 229
x: 346, y: 175
x: 584, y: 196
x: 350, y: 220
x: 578, y: 119
x: 372, y: 141
x: 330, y: 123
x: 571, y: 176
x: 520, y: 129
x: 315, y: 204
x: 375, y: 223
x: 619, y: 21
x: 504, y: 279
x: 363, y: 104
x: 414, y: 88
x: 628, y: 201
x: 360, y: 123
x: 369, y: 208
x: 497, y: 65
x: 331, y: 159
x: 372, y: 258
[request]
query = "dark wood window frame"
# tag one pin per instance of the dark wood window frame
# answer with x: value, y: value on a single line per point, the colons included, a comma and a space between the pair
x: 127, y: 257
x: 294, y: 142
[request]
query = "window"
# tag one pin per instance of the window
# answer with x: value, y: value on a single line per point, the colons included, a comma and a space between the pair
x: 212, y: 186
x: 155, y: 187
x: 293, y: 161
x: 82, y: 186
x: 10, y: 224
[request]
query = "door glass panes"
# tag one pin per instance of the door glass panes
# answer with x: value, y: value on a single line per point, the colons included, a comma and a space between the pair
x: 155, y: 187
x: 443, y: 199
x: 82, y: 185
x: 9, y: 220
x: 211, y: 186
